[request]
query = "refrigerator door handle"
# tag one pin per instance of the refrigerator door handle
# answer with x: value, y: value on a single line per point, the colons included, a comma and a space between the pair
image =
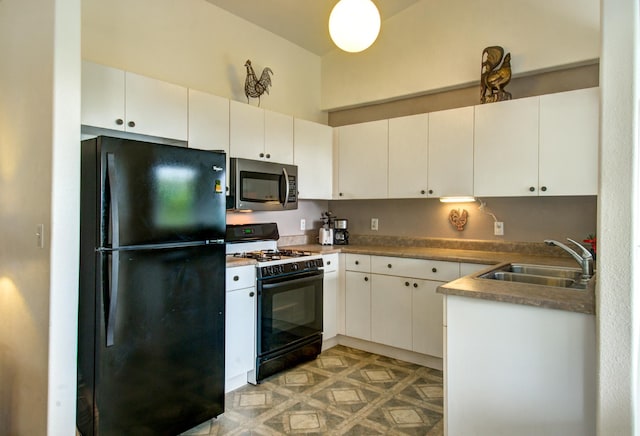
x: 113, y: 186
x: 110, y: 317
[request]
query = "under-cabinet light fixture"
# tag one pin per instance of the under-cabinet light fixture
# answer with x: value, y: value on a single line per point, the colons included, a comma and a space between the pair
x: 465, y: 199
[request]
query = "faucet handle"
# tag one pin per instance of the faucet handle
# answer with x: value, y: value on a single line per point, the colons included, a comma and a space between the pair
x: 585, y: 253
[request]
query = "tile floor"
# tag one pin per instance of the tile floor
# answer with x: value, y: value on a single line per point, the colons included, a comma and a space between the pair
x: 343, y: 392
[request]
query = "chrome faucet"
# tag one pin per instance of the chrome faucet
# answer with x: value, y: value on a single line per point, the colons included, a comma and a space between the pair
x: 585, y: 259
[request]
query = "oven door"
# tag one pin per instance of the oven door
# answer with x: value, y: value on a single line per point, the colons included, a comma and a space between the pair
x: 289, y: 311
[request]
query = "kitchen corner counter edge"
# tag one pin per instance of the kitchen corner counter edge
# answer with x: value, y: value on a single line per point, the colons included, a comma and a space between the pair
x: 572, y: 300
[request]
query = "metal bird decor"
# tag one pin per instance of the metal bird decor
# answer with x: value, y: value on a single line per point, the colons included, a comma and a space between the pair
x: 493, y: 76
x: 254, y: 87
x: 458, y: 219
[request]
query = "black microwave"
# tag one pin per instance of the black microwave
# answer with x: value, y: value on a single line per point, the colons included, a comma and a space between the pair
x: 261, y: 185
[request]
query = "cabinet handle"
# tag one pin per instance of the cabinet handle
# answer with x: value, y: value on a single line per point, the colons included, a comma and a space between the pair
x: 251, y: 294
x: 328, y: 262
x: 131, y: 124
x: 268, y: 156
x: 366, y: 279
x: 415, y: 285
x: 340, y: 194
x: 422, y: 192
x: 388, y: 265
x: 543, y: 189
x: 406, y: 283
x: 261, y: 154
x: 236, y: 278
x: 434, y: 269
x: 119, y: 121
x: 531, y: 188
x: 357, y: 262
x: 430, y: 191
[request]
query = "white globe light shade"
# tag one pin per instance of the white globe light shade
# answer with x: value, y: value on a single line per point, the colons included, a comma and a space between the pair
x: 354, y: 24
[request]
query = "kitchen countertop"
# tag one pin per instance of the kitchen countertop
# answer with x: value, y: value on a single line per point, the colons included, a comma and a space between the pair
x: 573, y: 300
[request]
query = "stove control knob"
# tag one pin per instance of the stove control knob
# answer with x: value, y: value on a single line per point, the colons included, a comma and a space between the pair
x: 295, y: 267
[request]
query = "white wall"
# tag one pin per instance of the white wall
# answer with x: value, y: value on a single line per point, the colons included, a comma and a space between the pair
x: 618, y: 271
x: 434, y: 45
x: 196, y: 44
x: 39, y: 117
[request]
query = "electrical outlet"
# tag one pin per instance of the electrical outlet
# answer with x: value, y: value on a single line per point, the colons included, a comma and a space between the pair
x: 303, y: 224
x: 374, y: 224
x: 498, y: 228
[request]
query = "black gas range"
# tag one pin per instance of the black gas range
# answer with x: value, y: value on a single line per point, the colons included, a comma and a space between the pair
x: 289, y: 304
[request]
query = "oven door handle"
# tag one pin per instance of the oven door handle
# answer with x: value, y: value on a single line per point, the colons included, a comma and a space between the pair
x: 307, y: 278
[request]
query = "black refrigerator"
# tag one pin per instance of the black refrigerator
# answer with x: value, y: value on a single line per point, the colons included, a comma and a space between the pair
x: 152, y: 288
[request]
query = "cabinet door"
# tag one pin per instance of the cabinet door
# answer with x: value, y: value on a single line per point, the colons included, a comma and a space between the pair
x: 278, y: 137
x: 391, y: 311
x: 569, y: 135
x: 408, y: 156
x: 506, y: 148
x: 358, y: 305
x: 363, y: 160
x: 208, y: 121
x: 246, y: 131
x: 240, y: 332
x: 451, y: 153
x: 313, y: 154
x: 330, y: 305
x: 156, y: 108
x: 427, y: 318
x: 102, y: 96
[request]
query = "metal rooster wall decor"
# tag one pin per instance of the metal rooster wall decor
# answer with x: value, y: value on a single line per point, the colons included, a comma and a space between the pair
x: 493, y: 76
x: 458, y: 219
x: 254, y: 87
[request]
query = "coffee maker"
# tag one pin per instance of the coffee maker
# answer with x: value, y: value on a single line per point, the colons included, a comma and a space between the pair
x: 340, y: 232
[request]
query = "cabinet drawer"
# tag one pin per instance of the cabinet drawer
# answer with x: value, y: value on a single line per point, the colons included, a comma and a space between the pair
x: 418, y: 268
x: 331, y: 262
x: 240, y: 277
x: 358, y: 262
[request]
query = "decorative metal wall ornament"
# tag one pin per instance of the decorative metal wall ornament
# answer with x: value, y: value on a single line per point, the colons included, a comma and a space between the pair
x: 254, y: 87
x: 493, y: 76
x: 458, y: 219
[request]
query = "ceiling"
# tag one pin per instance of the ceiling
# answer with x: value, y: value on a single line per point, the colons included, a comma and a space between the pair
x: 303, y: 22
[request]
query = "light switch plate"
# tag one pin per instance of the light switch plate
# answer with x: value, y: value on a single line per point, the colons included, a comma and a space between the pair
x: 374, y: 223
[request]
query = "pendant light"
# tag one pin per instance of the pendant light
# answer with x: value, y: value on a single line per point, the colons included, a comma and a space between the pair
x: 354, y: 24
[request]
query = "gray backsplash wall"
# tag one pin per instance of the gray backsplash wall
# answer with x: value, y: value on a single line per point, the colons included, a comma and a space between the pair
x: 526, y: 219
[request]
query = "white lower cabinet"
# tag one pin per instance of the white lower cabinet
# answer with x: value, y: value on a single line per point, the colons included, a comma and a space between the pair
x: 330, y: 296
x: 391, y: 311
x: 240, y: 340
x: 427, y: 317
x: 358, y: 305
x: 393, y: 301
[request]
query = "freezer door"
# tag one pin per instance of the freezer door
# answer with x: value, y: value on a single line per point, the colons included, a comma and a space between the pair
x: 163, y: 372
x: 157, y: 194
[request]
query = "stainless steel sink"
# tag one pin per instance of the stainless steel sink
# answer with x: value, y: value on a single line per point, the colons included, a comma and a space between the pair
x: 559, y: 277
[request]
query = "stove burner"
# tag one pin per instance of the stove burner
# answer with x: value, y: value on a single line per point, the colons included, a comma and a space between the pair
x: 267, y: 255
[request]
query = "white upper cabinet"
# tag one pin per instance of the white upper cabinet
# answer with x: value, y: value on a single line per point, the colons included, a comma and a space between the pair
x: 569, y: 134
x: 313, y: 149
x: 103, y: 100
x: 246, y: 131
x: 450, y: 169
x: 208, y: 121
x: 363, y: 157
x: 278, y: 137
x: 260, y: 135
x: 119, y: 100
x: 408, y: 156
x: 506, y: 148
